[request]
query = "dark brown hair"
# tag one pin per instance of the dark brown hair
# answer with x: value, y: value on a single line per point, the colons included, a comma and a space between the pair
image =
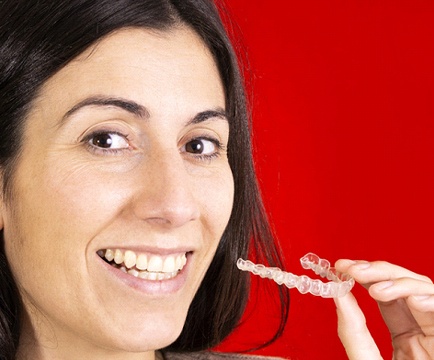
x: 37, y: 39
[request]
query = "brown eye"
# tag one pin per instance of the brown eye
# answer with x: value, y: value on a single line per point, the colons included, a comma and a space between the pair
x: 102, y: 140
x: 202, y: 146
x: 108, y: 140
x: 195, y: 146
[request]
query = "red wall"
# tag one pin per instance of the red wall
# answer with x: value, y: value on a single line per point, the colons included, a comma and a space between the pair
x: 343, y: 110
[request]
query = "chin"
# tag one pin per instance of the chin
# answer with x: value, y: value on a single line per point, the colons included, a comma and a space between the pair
x: 145, y: 338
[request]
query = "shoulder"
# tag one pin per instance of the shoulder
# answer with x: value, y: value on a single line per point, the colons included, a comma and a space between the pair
x: 206, y: 355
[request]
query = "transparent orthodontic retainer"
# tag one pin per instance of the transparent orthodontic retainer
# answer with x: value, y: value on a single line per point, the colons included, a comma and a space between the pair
x: 340, y: 284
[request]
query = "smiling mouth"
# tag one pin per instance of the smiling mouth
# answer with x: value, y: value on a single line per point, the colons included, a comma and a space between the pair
x: 144, y: 266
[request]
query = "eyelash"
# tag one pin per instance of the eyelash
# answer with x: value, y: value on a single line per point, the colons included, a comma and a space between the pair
x: 107, y: 151
x: 208, y: 157
x: 101, y: 151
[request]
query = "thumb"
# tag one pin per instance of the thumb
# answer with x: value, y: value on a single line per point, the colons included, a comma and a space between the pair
x: 353, y: 332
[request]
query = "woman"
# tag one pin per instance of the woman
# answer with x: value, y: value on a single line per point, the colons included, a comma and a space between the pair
x: 115, y: 158
x: 128, y: 189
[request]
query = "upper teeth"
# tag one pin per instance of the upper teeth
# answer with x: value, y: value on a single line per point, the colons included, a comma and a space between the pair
x: 151, y: 263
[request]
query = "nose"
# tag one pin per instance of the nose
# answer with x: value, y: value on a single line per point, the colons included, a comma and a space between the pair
x: 166, y: 196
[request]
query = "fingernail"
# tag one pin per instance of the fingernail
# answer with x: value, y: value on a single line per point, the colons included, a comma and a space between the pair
x: 351, y: 262
x: 383, y: 285
x: 362, y: 265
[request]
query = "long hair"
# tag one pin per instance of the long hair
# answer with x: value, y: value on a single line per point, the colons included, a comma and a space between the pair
x: 40, y: 37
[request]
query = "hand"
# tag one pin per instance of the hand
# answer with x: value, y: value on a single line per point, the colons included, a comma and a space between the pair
x: 406, y: 302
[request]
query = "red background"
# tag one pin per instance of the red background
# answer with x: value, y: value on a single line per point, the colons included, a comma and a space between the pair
x: 343, y: 112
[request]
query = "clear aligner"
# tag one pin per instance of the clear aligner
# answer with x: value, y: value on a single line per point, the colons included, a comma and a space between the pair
x: 340, y: 284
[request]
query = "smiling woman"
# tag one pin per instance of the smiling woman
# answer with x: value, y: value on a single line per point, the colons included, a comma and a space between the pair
x: 126, y: 173
x: 110, y: 178
x: 128, y: 192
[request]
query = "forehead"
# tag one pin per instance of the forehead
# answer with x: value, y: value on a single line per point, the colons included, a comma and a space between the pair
x: 147, y: 66
x: 177, y: 46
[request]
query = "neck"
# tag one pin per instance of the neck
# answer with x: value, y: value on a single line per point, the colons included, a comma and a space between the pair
x: 35, y: 352
x: 47, y: 345
x: 40, y: 340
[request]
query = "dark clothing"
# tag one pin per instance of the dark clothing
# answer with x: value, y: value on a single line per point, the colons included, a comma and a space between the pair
x: 204, y: 355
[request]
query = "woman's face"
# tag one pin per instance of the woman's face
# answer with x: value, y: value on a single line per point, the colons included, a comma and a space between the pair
x: 124, y: 156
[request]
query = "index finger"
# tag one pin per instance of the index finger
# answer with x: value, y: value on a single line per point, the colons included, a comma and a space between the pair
x: 391, y: 286
x: 353, y: 332
x: 366, y: 273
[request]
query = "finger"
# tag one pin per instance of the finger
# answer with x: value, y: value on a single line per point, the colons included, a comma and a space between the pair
x: 409, y: 340
x: 402, y: 314
x: 399, y: 319
x: 387, y: 283
x: 367, y: 273
x: 422, y: 303
x: 400, y: 288
x: 353, y: 332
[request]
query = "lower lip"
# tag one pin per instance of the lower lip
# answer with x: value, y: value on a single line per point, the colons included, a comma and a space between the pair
x: 150, y: 287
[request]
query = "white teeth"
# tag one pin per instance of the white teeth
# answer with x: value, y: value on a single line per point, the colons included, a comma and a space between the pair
x: 152, y: 276
x: 109, y: 255
x: 133, y: 272
x: 143, y: 275
x: 178, y: 262
x: 155, y: 264
x: 142, y: 262
x: 161, y: 276
x: 119, y: 257
x: 169, y: 265
x: 149, y: 267
x: 183, y: 260
x: 171, y: 275
x: 130, y: 259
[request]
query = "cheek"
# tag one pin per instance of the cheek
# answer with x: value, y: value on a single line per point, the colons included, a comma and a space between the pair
x: 55, y: 216
x: 218, y: 197
x: 83, y: 201
x: 40, y: 256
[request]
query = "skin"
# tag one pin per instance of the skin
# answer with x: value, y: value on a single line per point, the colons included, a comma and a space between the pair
x: 406, y: 302
x: 148, y: 192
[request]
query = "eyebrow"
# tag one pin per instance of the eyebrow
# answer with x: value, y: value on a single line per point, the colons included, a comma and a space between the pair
x: 207, y: 115
x: 138, y: 110
x: 127, y: 105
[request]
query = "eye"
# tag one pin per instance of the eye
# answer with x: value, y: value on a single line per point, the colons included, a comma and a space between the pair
x: 202, y: 146
x: 107, y: 140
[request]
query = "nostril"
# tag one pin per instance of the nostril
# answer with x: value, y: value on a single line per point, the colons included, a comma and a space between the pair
x: 167, y: 197
x: 159, y: 220
x: 173, y: 216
